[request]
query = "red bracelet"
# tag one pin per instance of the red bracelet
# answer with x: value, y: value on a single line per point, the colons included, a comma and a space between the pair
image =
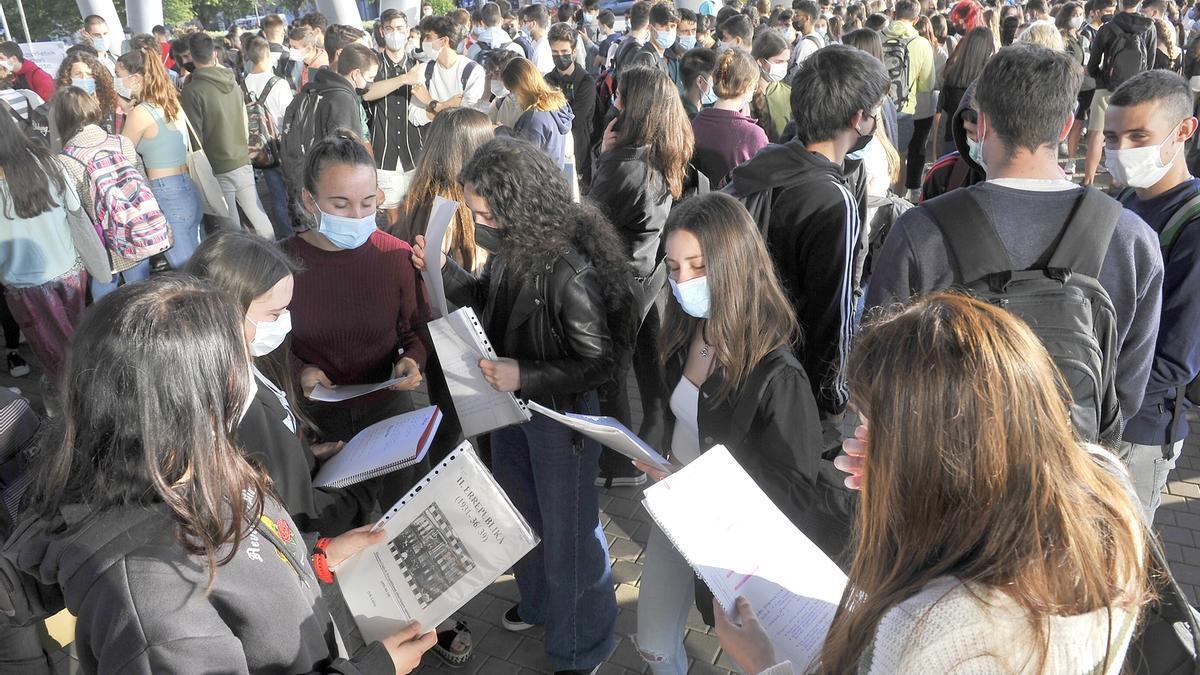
x: 320, y: 561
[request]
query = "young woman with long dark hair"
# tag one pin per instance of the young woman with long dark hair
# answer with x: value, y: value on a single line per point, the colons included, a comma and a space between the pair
x: 726, y: 348
x: 987, y: 537
x: 641, y: 171
x: 169, y: 548
x: 44, y: 283
x: 965, y: 64
x: 156, y: 127
x: 555, y: 302
x: 453, y: 138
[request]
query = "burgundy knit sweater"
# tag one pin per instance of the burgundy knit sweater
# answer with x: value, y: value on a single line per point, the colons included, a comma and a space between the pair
x: 354, y: 309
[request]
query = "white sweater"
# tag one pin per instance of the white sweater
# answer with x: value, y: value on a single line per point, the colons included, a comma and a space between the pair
x: 948, y: 629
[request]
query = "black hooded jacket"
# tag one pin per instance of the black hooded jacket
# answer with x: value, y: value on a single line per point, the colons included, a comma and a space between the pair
x: 809, y: 217
x: 1123, y: 22
x: 956, y: 169
x: 142, y: 606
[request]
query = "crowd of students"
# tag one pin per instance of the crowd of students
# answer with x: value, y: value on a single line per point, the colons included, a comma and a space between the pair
x: 737, y: 204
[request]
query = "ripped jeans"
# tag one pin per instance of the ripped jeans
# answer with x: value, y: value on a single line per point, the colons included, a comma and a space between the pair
x: 666, y: 595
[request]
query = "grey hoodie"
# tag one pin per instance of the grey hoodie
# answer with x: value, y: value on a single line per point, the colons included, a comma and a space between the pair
x: 142, y: 606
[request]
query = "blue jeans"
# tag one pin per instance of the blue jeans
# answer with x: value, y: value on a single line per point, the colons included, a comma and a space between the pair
x: 180, y: 202
x: 139, y: 272
x: 278, y: 206
x: 566, y: 583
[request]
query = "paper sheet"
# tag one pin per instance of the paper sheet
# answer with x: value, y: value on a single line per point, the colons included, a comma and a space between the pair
x: 608, y: 432
x: 440, y: 217
x: 740, y: 543
x: 460, y: 342
x: 346, y: 392
x: 383, y: 447
x: 449, y: 538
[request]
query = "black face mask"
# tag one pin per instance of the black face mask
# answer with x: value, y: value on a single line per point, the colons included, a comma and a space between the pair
x: 189, y: 66
x: 489, y: 238
x: 1106, y: 18
x: 563, y: 61
x: 863, y: 139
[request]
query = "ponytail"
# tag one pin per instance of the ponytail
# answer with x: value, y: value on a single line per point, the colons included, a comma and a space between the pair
x: 157, y: 88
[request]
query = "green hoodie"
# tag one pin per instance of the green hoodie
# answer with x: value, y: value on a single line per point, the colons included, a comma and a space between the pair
x: 213, y: 103
x: 920, y: 62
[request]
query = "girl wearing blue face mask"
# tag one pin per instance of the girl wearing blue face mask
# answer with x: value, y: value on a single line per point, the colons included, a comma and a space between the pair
x: 83, y: 70
x: 358, y: 312
x: 726, y: 348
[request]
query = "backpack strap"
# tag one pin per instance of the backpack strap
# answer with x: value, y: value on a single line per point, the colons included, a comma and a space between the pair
x: 1084, y: 241
x: 262, y: 97
x: 1125, y: 195
x: 969, y: 234
x: 466, y: 73
x: 429, y: 72
x: 1174, y: 226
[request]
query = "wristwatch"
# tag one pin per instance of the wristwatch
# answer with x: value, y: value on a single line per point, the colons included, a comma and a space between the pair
x: 432, y: 107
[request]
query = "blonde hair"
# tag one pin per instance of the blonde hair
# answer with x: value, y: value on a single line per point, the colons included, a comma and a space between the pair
x: 736, y: 74
x: 1043, y: 33
x: 524, y: 80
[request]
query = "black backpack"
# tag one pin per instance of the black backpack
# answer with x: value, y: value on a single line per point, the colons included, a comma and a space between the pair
x: 1125, y: 57
x: 896, y: 61
x: 23, y: 599
x: 1059, y: 298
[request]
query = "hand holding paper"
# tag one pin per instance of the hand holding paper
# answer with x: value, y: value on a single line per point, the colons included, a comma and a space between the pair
x: 610, y: 433
x: 440, y: 217
x: 345, y: 392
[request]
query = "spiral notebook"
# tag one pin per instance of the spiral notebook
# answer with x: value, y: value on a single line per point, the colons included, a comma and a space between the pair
x: 390, y: 445
x: 740, y: 543
x: 447, y: 540
x: 461, y: 343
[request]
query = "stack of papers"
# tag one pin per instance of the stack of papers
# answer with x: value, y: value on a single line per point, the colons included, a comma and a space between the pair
x: 383, y: 447
x: 346, y: 392
x: 609, y: 432
x: 740, y: 543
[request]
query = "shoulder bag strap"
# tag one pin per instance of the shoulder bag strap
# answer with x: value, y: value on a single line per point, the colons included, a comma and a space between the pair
x: 262, y: 97
x: 970, y: 236
x: 1174, y: 226
x: 1084, y: 241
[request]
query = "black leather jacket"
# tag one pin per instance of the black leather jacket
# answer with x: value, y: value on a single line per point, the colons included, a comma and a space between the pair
x: 557, y: 325
x: 629, y: 191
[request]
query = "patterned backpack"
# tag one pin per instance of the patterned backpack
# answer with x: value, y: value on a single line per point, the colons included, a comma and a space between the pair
x: 262, y: 135
x: 128, y: 217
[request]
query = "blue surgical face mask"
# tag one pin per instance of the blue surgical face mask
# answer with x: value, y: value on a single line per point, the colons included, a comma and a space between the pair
x: 100, y: 44
x: 709, y: 96
x: 664, y: 39
x: 975, y: 151
x: 346, y: 233
x: 692, y: 296
x: 687, y: 42
x: 87, y: 84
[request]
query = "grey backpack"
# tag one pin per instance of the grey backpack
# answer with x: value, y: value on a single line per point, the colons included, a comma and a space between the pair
x: 1058, y: 297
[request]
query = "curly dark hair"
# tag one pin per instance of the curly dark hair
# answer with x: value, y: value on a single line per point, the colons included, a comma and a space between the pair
x: 530, y: 199
x: 106, y: 94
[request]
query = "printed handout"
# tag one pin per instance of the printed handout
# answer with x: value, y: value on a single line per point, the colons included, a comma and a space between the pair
x: 440, y: 217
x: 461, y: 343
x: 346, y: 392
x: 740, y: 543
x: 607, y: 431
x: 449, y: 538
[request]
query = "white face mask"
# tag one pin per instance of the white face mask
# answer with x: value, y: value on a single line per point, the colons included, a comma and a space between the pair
x: 296, y: 54
x: 396, y: 40
x: 1140, y: 167
x: 498, y: 89
x: 1076, y: 22
x: 427, y: 52
x: 777, y: 71
x: 268, y: 335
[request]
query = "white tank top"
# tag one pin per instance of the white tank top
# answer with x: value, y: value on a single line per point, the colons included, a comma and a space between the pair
x: 685, y: 442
